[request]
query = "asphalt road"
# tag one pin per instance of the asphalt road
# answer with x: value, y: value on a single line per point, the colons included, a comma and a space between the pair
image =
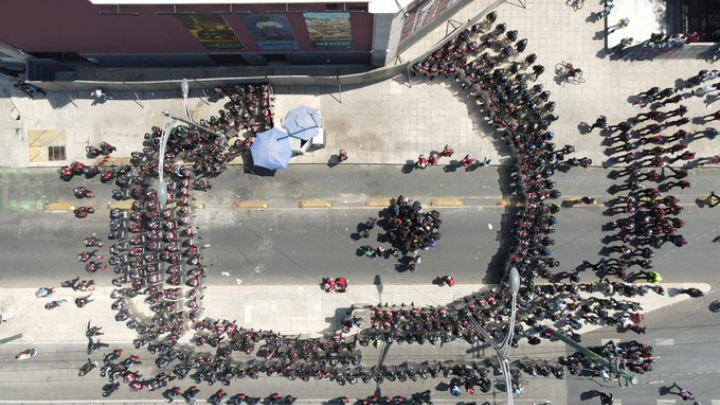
x: 288, y: 245
x: 685, y: 337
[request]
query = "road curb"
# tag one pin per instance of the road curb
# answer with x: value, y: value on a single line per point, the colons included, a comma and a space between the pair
x: 447, y: 202
x: 58, y: 207
x: 251, y: 204
x: 378, y: 202
x: 315, y: 204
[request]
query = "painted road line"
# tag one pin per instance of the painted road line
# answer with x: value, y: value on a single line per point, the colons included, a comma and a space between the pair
x: 715, y: 402
x: 666, y: 401
x: 511, y: 201
x: 378, y: 203
x: 447, y: 202
x: 315, y: 204
x: 664, y: 342
x: 117, y: 161
x: 251, y: 204
x: 120, y: 205
x: 576, y: 202
x: 58, y: 207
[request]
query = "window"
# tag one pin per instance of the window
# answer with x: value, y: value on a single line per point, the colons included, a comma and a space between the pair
x: 332, y: 7
x: 357, y: 7
x: 56, y: 153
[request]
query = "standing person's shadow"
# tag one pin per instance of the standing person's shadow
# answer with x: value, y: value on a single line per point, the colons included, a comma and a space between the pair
x: 408, y: 167
x: 333, y: 161
x: 452, y: 166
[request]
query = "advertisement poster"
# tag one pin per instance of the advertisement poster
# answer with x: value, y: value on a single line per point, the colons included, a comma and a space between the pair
x: 271, y: 31
x: 329, y: 30
x: 423, y: 13
x: 212, y: 31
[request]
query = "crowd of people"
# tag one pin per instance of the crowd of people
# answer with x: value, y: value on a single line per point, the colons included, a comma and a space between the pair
x: 156, y: 254
x: 409, y: 230
x: 468, y: 162
x: 651, y: 218
x: 523, y: 115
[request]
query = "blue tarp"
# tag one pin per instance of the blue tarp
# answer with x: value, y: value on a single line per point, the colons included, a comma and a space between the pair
x: 271, y: 149
x: 303, y: 122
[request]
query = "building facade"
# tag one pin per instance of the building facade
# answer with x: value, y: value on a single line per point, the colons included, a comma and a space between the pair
x: 160, y: 33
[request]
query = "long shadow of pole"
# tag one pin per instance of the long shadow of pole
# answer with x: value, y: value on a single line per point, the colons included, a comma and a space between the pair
x: 378, y: 283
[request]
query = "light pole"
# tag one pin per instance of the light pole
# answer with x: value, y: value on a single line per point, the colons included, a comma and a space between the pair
x: 195, y: 124
x: 185, y: 88
x: 503, y: 350
x: 170, y: 122
x: 162, y: 187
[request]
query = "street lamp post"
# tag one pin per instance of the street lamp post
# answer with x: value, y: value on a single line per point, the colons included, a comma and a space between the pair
x: 185, y: 88
x: 503, y: 350
x: 170, y: 122
x: 195, y: 124
x: 162, y: 187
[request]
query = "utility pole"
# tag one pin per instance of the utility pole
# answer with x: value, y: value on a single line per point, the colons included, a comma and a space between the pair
x: 502, y: 350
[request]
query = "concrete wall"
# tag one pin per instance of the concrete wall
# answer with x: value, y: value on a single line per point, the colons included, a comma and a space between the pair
x: 382, y: 28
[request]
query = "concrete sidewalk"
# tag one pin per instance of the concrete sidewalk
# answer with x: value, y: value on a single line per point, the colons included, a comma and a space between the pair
x: 388, y: 122
x: 297, y: 310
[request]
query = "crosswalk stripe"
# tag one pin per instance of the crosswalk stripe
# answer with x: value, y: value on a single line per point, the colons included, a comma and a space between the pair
x: 715, y: 402
x: 664, y: 342
x: 666, y: 401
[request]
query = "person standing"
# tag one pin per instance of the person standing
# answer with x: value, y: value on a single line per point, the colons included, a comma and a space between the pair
x: 624, y: 22
x: 712, y: 200
x: 683, y: 393
x: 624, y: 43
x: 599, y: 123
x: 605, y: 398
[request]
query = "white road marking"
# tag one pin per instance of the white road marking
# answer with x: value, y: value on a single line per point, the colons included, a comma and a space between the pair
x: 666, y: 401
x: 664, y: 342
x: 248, y: 313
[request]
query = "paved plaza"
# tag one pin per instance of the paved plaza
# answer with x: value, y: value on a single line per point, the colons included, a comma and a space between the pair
x: 393, y: 121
